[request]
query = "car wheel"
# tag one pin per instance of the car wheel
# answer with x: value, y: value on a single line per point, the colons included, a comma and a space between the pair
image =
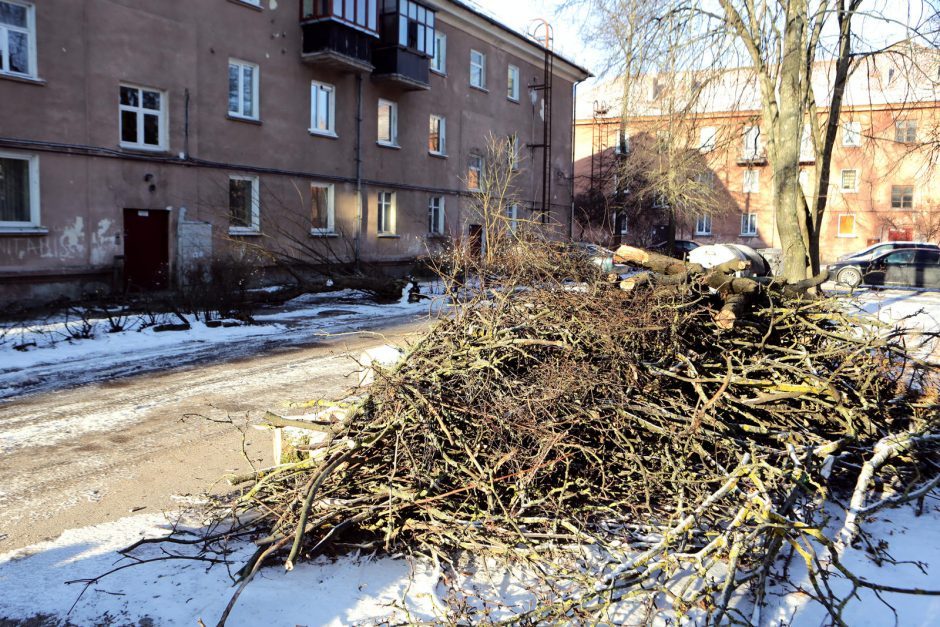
x: 849, y: 276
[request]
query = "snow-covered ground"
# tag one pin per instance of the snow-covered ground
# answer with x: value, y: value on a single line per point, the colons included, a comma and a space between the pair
x: 49, y: 357
x: 367, y: 589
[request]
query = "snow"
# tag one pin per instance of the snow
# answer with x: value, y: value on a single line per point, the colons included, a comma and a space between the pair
x: 57, y: 357
x: 364, y: 589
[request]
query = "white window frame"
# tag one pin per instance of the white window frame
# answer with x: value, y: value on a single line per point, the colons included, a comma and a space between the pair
x: 905, y: 131
x: 436, y: 226
x: 255, y: 89
x: 807, y: 152
x: 385, y: 213
x: 512, y: 217
x: 624, y: 224
x: 476, y: 164
x: 140, y: 111
x: 703, y: 224
x: 515, y: 154
x: 441, y: 135
x: 316, y: 87
x: 842, y: 186
x: 29, y: 31
x: 750, y: 182
x: 752, y: 143
x: 255, y: 227
x: 852, y: 134
x: 622, y: 146
x: 330, y: 209
x: 748, y: 225
x: 478, y: 65
x: 707, y: 139
x: 34, y: 204
x: 512, y: 86
x: 439, y: 60
x: 392, y: 141
x: 839, y: 232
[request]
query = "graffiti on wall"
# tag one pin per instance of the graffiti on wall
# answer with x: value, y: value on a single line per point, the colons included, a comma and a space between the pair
x: 68, y: 242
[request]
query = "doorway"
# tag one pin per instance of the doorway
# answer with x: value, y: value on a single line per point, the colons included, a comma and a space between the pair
x: 146, y: 249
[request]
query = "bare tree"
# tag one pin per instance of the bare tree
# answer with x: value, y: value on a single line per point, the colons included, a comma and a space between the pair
x: 780, y: 42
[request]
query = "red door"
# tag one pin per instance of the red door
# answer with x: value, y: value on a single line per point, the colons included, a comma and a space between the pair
x: 146, y: 249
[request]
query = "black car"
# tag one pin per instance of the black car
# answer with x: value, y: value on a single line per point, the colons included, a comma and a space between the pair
x: 906, y: 267
x: 680, y: 248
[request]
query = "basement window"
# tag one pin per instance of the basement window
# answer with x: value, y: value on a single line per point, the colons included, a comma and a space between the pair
x: 244, y: 205
x: 19, y: 191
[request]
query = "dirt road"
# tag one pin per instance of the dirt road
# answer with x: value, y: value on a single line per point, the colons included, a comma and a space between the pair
x: 155, y: 442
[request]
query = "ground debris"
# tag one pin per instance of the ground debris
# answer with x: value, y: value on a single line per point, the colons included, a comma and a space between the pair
x: 538, y: 416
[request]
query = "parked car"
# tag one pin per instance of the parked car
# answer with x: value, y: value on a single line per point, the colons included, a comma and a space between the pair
x: 680, y: 248
x: 907, y: 267
x: 869, y: 253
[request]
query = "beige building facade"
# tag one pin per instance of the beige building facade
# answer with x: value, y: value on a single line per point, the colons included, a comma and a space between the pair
x: 139, y: 140
x: 884, y: 181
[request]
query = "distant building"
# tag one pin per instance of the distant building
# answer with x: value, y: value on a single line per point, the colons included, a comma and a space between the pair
x: 140, y: 140
x: 884, y: 182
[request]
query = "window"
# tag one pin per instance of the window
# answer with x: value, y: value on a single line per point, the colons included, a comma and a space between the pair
x: 243, y: 89
x: 807, y: 151
x: 388, y: 123
x: 19, y: 190
x: 475, y: 173
x: 512, y: 217
x: 439, y: 60
x: 623, y: 225
x: 322, y: 209
x: 143, y: 119
x: 386, y: 213
x: 477, y: 69
x: 902, y: 196
x: 751, y: 181
x: 322, y: 109
x: 244, y: 205
x: 659, y: 201
x: 415, y: 24
x: 707, y: 138
x: 849, y: 180
x: 17, y: 38
x: 705, y: 179
x: 622, y: 146
x: 900, y: 258
x: 905, y: 131
x: 846, y: 225
x: 512, y: 87
x: 361, y: 13
x: 703, y: 225
x: 752, y: 143
x: 512, y: 144
x: 748, y: 224
x: 437, y: 136
x: 852, y: 134
x: 436, y: 215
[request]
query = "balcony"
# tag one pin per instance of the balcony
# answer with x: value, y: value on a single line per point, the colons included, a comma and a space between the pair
x: 407, y: 44
x: 339, y: 35
x: 402, y: 67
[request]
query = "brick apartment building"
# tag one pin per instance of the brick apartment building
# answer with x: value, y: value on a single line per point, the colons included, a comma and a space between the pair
x: 138, y: 139
x: 884, y: 182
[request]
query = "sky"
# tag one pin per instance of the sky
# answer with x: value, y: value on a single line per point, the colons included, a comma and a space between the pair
x: 519, y: 15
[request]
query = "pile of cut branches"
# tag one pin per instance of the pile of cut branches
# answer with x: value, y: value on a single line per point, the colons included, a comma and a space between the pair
x: 632, y: 417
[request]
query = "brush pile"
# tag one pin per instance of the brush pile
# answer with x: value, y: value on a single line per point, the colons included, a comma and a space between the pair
x: 544, y: 413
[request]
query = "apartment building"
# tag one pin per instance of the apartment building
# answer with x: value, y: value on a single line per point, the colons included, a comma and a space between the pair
x: 138, y: 140
x: 884, y: 183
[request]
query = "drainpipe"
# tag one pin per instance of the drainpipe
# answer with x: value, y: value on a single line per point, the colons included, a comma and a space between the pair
x: 358, y: 167
x: 574, y: 122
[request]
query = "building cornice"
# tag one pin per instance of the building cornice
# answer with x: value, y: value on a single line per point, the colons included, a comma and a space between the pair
x: 467, y: 19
